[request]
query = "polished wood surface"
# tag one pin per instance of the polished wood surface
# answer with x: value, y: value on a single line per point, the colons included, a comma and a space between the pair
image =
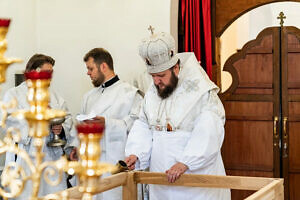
x: 265, y: 187
x: 263, y: 109
x: 224, y: 13
x: 130, y: 187
x: 252, y: 103
x: 242, y: 194
x: 248, y: 145
x: 294, y: 180
x: 291, y: 110
x: 104, y: 184
x: 209, y: 181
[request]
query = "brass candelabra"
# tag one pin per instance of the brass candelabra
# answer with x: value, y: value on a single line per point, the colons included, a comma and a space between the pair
x: 13, y: 179
x: 4, y: 62
x: 88, y: 168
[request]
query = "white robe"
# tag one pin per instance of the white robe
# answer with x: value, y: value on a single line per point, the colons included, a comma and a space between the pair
x: 119, y: 104
x: 197, y: 117
x: 143, y: 81
x: 26, y: 142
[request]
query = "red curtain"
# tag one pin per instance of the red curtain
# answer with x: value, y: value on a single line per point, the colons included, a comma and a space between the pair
x: 196, y: 21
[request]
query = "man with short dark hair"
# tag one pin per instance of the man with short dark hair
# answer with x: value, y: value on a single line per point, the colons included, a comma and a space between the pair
x: 37, y: 61
x: 181, y: 124
x: 40, y: 62
x: 112, y: 102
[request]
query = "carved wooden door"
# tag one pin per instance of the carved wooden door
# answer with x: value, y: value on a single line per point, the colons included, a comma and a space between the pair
x: 263, y: 110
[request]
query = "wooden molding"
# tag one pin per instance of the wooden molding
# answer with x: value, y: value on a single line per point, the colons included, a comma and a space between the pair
x: 228, y: 66
x: 227, y: 11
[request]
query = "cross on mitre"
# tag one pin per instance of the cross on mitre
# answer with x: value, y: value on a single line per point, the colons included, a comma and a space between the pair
x: 151, y: 29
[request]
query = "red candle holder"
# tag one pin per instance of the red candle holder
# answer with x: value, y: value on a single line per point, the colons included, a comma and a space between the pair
x: 4, y: 22
x: 90, y: 128
x: 35, y: 75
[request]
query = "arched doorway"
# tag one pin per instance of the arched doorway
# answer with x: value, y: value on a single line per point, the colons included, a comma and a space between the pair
x: 264, y: 118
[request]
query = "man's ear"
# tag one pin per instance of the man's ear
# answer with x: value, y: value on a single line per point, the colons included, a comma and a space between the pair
x: 176, y: 69
x: 103, y: 67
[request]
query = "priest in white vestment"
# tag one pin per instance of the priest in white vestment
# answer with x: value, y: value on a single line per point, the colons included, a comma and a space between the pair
x: 43, y: 63
x: 181, y: 124
x: 113, y: 102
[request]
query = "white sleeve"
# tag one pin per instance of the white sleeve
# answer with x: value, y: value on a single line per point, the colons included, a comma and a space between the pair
x: 119, y: 125
x: 19, y: 124
x: 116, y: 130
x: 83, y: 105
x: 139, y: 142
x: 207, y: 136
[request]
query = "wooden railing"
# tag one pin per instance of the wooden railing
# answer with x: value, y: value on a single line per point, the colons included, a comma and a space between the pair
x: 267, y: 188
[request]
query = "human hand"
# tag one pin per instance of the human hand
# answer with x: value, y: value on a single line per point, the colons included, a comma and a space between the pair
x: 130, y: 161
x: 73, y: 155
x: 175, y: 171
x: 56, y: 129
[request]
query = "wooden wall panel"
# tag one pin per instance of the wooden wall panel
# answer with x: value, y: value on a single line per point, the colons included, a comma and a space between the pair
x: 248, y: 145
x: 249, y: 110
x: 252, y: 104
x: 294, y: 146
x: 293, y: 91
x: 253, y: 69
x: 254, y: 91
x: 294, y: 111
x: 294, y: 45
x: 249, y: 173
x: 294, y: 186
x: 292, y: 169
x: 264, y: 47
x: 293, y: 70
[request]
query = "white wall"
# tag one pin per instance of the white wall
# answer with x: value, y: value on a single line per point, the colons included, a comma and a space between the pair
x: 67, y: 29
x: 248, y: 26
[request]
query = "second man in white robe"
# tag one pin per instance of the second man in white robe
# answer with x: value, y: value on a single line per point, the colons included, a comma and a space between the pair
x: 112, y: 102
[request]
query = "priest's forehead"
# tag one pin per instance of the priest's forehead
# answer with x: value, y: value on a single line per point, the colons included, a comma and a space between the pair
x: 46, y: 67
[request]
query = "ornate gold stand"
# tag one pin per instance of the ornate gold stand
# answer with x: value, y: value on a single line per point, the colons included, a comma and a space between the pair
x: 88, y: 169
x: 4, y: 62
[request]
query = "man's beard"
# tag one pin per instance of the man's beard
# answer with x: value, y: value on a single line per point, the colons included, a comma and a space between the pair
x: 168, y: 90
x: 99, y: 80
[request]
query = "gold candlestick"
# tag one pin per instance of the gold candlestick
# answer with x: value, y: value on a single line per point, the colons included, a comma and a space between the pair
x: 89, y: 169
x: 4, y: 62
x: 38, y: 117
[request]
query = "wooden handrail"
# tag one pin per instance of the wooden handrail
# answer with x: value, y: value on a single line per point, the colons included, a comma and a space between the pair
x: 193, y: 180
x: 267, y: 187
x: 274, y: 190
x: 104, y: 185
x: 130, y: 188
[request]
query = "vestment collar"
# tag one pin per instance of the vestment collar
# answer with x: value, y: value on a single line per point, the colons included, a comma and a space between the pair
x: 110, y: 82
